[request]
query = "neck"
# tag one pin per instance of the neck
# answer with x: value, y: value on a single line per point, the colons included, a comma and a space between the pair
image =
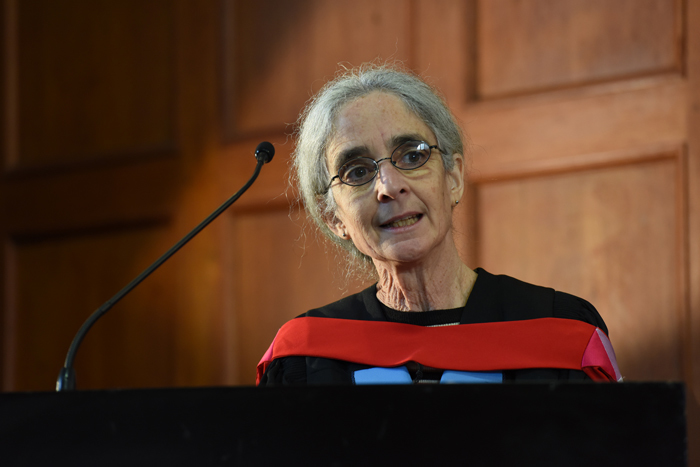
x: 439, y: 283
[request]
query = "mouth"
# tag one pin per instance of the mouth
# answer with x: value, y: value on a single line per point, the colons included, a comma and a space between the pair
x: 406, y: 221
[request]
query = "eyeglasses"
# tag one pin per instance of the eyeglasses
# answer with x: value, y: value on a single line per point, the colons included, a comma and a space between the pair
x: 407, y: 156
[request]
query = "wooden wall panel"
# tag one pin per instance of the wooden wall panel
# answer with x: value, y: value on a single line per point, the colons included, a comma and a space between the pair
x: 61, y: 280
x: 136, y: 82
x: 280, y: 273
x: 8, y: 51
x: 87, y: 199
x: 5, y: 106
x: 608, y: 235
x: 542, y: 131
x: 525, y: 46
x: 277, y: 53
x: 692, y: 331
x: 435, y: 54
x: 95, y: 80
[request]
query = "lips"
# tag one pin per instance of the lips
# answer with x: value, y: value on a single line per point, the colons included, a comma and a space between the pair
x: 403, y: 222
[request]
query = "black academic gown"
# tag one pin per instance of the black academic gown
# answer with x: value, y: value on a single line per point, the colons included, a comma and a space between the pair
x: 494, y: 298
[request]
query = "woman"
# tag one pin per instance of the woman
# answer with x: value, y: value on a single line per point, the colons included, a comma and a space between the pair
x: 380, y: 166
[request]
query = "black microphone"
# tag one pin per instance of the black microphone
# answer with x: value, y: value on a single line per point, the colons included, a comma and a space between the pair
x: 66, y: 377
x: 265, y: 151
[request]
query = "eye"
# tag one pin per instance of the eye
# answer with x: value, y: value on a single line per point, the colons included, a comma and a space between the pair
x: 357, y: 171
x: 411, y: 155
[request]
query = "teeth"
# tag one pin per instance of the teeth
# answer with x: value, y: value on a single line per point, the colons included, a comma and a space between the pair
x: 403, y: 222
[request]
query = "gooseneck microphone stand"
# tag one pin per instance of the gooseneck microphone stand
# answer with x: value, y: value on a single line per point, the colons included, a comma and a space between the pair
x: 66, y: 378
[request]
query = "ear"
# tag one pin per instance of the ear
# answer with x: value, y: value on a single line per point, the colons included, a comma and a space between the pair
x: 336, y: 226
x: 455, y: 178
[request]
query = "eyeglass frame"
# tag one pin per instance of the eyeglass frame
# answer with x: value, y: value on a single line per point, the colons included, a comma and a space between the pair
x: 376, y: 163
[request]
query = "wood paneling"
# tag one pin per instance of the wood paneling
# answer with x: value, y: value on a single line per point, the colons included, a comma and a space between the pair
x: 574, y: 123
x: 277, y: 53
x: 87, y: 199
x: 607, y: 235
x: 61, y: 280
x: 94, y: 79
x: 692, y: 263
x: 289, y: 272
x: 435, y: 53
x: 134, y: 81
x: 538, y: 44
x: 7, y: 134
x: 694, y: 191
x: 8, y: 50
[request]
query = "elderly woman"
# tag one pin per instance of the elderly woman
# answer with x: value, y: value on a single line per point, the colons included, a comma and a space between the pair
x: 379, y: 162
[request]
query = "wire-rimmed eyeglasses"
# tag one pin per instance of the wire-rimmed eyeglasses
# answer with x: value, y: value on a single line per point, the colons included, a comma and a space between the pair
x: 361, y: 170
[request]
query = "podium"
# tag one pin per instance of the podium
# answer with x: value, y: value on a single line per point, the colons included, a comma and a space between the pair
x: 510, y: 424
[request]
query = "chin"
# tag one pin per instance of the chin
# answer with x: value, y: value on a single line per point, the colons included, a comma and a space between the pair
x: 403, y: 253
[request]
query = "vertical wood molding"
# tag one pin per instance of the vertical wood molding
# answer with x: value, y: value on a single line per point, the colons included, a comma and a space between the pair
x: 232, y: 370
x: 199, y: 339
x: 9, y: 84
x: 684, y: 218
x: 447, y: 59
x: 693, y: 183
x: 693, y: 228
x: 8, y: 306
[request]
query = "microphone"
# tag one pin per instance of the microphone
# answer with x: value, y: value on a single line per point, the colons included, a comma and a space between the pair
x: 265, y: 151
x: 66, y: 377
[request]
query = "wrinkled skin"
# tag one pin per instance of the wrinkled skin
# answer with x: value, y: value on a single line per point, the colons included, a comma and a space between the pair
x: 401, y: 219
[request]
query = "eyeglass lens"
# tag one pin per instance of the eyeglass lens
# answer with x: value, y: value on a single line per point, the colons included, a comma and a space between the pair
x: 408, y: 156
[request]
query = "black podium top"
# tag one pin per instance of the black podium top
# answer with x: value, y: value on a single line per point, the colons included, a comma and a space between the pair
x: 524, y: 424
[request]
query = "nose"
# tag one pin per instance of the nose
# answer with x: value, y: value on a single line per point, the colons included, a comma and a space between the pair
x: 390, y: 182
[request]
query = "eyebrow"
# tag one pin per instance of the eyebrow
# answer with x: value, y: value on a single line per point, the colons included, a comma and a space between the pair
x: 363, y: 151
x: 349, y: 154
x: 398, y: 140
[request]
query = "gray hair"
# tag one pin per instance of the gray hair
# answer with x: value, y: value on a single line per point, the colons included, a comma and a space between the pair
x: 316, y: 127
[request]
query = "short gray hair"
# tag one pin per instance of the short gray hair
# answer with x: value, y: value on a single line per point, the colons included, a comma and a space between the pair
x: 316, y: 127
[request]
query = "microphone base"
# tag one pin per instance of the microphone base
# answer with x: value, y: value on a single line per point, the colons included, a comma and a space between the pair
x: 66, y: 380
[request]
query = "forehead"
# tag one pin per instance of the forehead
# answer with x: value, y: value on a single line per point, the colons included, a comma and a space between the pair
x: 373, y: 123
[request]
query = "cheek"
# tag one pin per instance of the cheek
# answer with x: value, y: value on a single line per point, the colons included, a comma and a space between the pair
x: 351, y: 214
